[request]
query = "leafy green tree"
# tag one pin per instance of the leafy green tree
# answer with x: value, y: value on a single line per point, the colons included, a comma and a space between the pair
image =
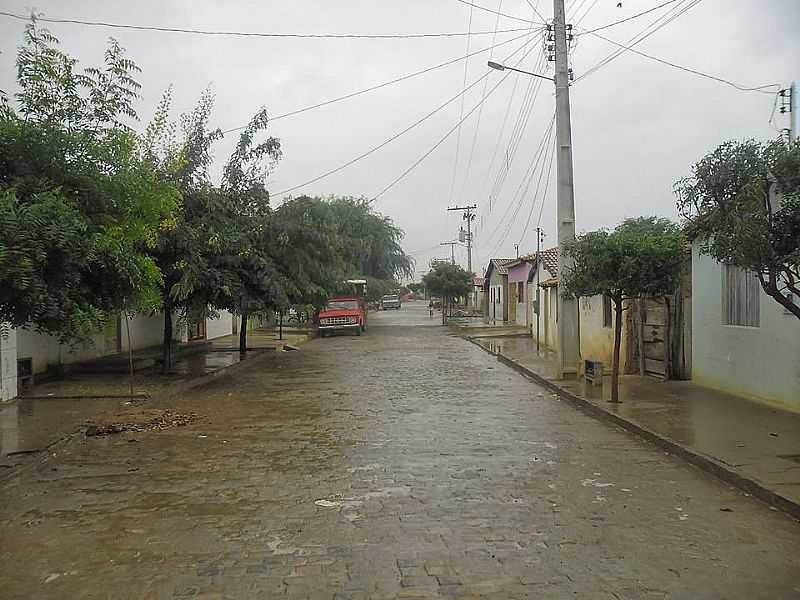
x: 642, y: 257
x: 79, y: 209
x: 448, y: 281
x: 370, y: 245
x: 192, y: 250
x: 253, y: 281
x: 742, y: 204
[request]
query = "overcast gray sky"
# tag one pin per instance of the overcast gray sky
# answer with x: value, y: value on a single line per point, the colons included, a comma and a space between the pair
x: 637, y: 124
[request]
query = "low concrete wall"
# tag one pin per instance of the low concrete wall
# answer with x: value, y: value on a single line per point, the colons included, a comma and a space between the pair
x: 8, y: 365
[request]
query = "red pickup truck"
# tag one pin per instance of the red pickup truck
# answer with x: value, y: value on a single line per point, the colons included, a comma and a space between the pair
x: 346, y: 313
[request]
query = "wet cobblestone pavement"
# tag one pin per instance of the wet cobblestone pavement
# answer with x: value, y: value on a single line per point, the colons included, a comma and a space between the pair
x: 406, y: 463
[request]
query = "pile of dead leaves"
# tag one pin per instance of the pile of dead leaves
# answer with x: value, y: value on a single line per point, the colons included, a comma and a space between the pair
x: 139, y: 420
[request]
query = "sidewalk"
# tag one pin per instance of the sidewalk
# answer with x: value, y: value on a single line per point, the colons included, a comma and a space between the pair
x: 53, y: 410
x: 748, y: 444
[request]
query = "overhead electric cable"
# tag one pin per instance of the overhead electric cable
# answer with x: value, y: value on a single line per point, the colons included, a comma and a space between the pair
x: 495, y: 12
x: 530, y: 169
x: 631, y: 18
x: 760, y: 88
x: 480, y: 113
x: 387, y: 83
x: 446, y: 135
x: 160, y: 29
x: 460, y: 114
x: 535, y: 10
x: 396, y: 135
x: 544, y: 195
x: 653, y: 27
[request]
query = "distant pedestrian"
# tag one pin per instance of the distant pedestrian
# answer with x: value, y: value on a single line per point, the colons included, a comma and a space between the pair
x: 430, y: 308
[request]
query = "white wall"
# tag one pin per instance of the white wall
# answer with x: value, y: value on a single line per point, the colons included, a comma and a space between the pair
x: 8, y: 365
x: 220, y: 326
x: 46, y: 351
x: 761, y: 363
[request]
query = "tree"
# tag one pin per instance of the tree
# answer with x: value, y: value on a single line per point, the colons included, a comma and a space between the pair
x: 79, y: 209
x: 742, y: 204
x: 370, y: 244
x: 448, y: 281
x: 642, y: 257
x: 195, y: 249
x: 251, y: 273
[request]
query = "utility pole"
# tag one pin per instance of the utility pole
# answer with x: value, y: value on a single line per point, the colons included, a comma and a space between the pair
x: 539, y: 239
x: 788, y: 98
x: 469, y: 216
x: 452, y: 250
x: 792, y: 112
x: 568, y: 326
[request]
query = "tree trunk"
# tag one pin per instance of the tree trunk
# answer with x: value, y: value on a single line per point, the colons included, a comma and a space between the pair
x: 617, y: 340
x: 243, y: 334
x: 166, y: 349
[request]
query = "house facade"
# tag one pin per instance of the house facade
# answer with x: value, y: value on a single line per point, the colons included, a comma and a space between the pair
x: 41, y: 353
x: 496, y: 290
x: 520, y: 305
x: 743, y: 342
x: 543, y: 292
x: 477, y: 299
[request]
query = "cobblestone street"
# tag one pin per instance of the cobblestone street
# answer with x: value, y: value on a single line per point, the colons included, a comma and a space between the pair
x: 406, y: 463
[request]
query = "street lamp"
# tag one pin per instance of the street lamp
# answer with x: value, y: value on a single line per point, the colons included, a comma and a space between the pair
x: 500, y: 67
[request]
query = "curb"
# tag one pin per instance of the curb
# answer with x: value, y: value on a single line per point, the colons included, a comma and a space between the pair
x: 707, y: 463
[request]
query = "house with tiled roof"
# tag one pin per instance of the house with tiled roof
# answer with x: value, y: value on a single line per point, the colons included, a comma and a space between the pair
x: 495, y: 289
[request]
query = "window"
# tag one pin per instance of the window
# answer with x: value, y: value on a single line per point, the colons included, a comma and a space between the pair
x: 607, y: 319
x: 741, y: 294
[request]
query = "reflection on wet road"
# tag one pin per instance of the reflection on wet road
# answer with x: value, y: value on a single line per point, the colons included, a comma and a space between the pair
x: 404, y: 463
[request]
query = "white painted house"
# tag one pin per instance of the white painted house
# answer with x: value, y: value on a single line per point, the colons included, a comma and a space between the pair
x: 8, y: 363
x: 44, y: 352
x: 743, y: 342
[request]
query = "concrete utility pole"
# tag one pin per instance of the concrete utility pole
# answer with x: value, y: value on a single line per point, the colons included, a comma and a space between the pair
x: 539, y: 239
x: 792, y: 112
x: 567, y: 315
x: 469, y: 216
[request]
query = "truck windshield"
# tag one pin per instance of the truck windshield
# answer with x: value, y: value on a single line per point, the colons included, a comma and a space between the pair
x: 342, y: 305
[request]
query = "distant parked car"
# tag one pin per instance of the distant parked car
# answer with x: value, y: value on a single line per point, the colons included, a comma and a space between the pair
x: 390, y: 301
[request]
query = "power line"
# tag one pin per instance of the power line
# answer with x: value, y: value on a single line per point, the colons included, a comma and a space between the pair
x: 643, y: 35
x: 480, y: 113
x: 393, y: 137
x: 160, y: 29
x: 535, y: 10
x: 446, y: 135
x: 632, y: 17
x: 586, y: 12
x: 547, y: 148
x: 528, y: 173
x: 760, y: 88
x: 387, y: 83
x: 544, y: 195
x: 496, y: 12
x: 460, y: 115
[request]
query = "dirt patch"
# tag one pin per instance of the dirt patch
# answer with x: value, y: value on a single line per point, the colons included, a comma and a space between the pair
x: 139, y: 420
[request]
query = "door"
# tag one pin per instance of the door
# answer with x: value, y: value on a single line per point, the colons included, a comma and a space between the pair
x: 197, y: 329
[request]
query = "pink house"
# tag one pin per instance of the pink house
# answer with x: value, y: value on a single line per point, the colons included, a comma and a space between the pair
x: 518, y: 277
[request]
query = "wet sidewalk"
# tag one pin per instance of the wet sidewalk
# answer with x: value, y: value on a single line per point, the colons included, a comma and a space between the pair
x: 53, y: 410
x: 752, y: 445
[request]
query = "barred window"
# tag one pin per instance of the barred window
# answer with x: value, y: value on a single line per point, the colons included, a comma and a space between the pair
x: 741, y: 295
